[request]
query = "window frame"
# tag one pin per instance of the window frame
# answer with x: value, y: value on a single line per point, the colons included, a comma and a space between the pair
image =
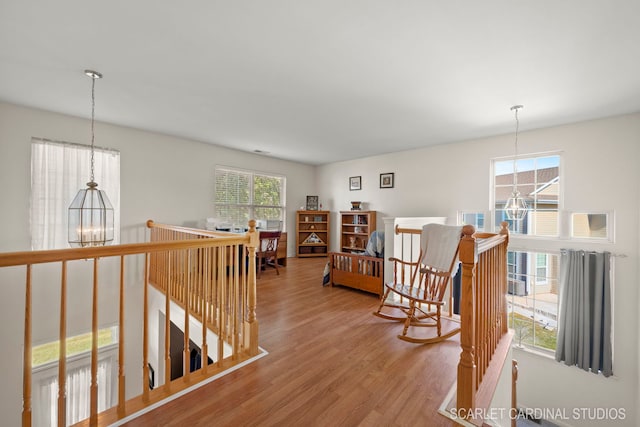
x: 71, y: 171
x: 610, y: 226
x: 541, y: 279
x: 48, y: 371
x: 251, y: 205
x: 527, y: 274
x: 526, y: 251
x: 462, y: 216
x: 560, y: 207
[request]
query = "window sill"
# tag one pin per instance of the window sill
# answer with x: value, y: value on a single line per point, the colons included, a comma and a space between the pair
x: 547, y: 354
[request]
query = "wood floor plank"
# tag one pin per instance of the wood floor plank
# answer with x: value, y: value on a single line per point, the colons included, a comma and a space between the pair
x: 330, y: 363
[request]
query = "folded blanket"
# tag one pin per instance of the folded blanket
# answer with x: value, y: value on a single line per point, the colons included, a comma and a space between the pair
x: 326, y: 275
x: 375, y: 245
x: 439, y: 244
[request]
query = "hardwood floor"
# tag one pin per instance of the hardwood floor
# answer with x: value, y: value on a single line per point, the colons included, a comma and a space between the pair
x: 330, y: 363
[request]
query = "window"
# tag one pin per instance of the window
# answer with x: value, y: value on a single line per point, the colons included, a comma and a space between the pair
x: 539, y: 184
x: 532, y: 275
x: 541, y: 268
x: 595, y: 226
x: 472, y: 218
x: 243, y: 195
x: 58, y: 171
x: 78, y: 381
x: 533, y: 298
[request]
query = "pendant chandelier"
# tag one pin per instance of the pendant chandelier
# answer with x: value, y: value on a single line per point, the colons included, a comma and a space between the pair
x: 516, y: 207
x: 91, y: 213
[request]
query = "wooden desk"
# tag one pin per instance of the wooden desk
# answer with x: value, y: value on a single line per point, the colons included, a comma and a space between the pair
x: 282, y: 249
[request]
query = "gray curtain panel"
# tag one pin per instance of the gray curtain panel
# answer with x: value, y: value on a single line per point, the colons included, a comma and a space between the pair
x: 584, y: 323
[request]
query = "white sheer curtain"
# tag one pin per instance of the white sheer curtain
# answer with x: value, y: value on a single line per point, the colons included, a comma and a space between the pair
x: 58, y: 171
x: 45, y: 398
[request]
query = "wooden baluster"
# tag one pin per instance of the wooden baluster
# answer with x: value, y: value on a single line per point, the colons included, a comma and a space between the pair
x: 513, y: 414
x: 121, y: 375
x: 174, y: 273
x: 466, y: 389
x: 145, y: 331
x: 222, y: 276
x: 199, y: 272
x: 233, y: 302
x: 213, y: 277
x: 480, y: 329
x: 27, y: 360
x: 237, y: 316
x: 205, y: 307
x: 495, y: 289
x: 93, y: 404
x: 503, y: 274
x: 252, y: 322
x: 186, y: 374
x: 167, y: 329
x: 62, y: 359
x: 167, y: 325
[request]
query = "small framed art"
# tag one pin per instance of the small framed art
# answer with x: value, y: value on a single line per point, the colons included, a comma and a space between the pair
x: 355, y: 183
x: 386, y: 180
x: 312, y: 203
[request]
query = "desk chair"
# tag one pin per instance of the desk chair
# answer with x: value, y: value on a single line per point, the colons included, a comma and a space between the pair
x: 267, y: 252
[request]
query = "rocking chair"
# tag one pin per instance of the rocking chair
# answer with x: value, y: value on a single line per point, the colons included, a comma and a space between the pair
x: 421, y: 298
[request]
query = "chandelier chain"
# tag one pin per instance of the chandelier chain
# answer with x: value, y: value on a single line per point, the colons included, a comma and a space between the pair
x: 93, y: 113
x: 515, y: 159
x: 515, y: 109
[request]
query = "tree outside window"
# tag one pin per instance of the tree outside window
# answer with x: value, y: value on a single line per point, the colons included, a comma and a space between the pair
x: 243, y: 195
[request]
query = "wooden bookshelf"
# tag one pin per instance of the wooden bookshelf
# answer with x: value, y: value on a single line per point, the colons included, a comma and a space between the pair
x: 355, y: 229
x: 312, y: 233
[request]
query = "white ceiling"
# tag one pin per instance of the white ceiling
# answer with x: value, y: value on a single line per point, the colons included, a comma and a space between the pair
x: 318, y: 81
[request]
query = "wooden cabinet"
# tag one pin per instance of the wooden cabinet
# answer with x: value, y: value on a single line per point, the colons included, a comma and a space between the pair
x: 355, y: 229
x: 312, y: 233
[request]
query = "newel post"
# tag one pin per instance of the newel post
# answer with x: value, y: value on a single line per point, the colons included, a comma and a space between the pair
x: 466, y: 389
x: 251, y: 323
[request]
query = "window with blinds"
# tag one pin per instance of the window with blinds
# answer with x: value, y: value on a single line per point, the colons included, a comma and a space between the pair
x: 242, y: 195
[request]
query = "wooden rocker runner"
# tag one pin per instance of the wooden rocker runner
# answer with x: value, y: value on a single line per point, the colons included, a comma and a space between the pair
x: 420, y: 286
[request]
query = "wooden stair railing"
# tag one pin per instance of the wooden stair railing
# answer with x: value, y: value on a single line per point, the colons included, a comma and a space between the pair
x: 484, y: 336
x: 205, y: 273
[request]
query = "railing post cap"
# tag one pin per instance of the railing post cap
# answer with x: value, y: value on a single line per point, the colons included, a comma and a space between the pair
x: 468, y: 230
x: 149, y: 223
x: 504, y: 227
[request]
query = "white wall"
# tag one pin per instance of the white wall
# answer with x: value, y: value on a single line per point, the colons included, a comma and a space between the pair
x: 600, y: 172
x: 164, y: 178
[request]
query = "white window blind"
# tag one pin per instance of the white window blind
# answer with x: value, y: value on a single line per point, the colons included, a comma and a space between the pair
x: 243, y: 195
x: 58, y: 171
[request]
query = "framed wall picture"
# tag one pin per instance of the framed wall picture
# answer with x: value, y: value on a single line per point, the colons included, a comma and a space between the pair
x: 386, y: 180
x: 355, y: 183
x: 312, y: 203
